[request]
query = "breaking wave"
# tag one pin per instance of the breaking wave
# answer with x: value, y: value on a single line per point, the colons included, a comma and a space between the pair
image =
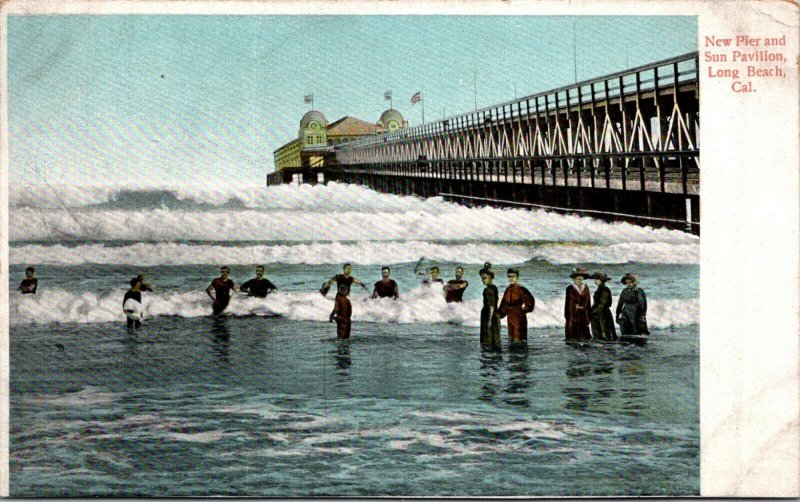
x: 328, y: 197
x: 332, y: 212
x: 362, y: 253
x: 418, y: 306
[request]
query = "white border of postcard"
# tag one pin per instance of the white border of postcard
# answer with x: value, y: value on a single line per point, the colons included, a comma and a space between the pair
x: 750, y: 257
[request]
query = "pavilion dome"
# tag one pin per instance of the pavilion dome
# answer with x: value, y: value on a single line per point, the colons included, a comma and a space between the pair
x: 389, y: 116
x: 313, y: 116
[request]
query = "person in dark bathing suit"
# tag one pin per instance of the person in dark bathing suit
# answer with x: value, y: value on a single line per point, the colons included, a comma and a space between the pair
x: 29, y: 283
x: 143, y: 285
x: 454, y: 289
x: 135, y: 293
x: 386, y: 287
x: 222, y: 287
x: 490, y: 321
x: 342, y: 308
x: 258, y: 287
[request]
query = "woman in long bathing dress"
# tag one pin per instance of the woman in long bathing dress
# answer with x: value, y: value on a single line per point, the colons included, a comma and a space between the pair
x: 632, y: 310
x: 577, y: 306
x: 516, y: 304
x: 490, y: 322
x: 603, y: 328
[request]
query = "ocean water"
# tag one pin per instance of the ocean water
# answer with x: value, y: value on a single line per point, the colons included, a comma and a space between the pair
x: 265, y: 401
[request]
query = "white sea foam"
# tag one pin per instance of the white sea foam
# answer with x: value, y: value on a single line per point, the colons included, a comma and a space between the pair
x: 331, y: 212
x: 446, y: 433
x: 330, y: 197
x: 362, y: 253
x: 417, y: 306
x: 451, y: 417
x: 265, y: 412
x: 89, y: 396
x: 458, y: 224
x: 195, y: 437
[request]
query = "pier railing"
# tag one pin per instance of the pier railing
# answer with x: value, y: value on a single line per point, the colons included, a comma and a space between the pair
x: 672, y: 172
x: 612, y: 113
x: 624, y: 146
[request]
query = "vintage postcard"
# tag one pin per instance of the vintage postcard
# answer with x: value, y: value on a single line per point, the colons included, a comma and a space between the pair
x: 373, y: 249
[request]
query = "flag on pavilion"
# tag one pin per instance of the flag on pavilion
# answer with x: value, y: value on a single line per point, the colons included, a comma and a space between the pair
x: 309, y: 98
x: 387, y: 95
x: 416, y: 98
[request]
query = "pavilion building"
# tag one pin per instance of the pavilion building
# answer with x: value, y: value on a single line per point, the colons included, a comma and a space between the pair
x: 316, y: 140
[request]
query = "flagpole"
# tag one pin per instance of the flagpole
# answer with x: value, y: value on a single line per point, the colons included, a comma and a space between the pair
x: 475, y: 86
x: 574, y: 52
x: 422, y: 98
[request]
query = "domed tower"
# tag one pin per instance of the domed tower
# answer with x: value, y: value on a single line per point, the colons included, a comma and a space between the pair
x: 312, y: 128
x: 391, y: 120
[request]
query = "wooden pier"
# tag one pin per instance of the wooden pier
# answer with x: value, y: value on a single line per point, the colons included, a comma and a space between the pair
x: 623, y: 147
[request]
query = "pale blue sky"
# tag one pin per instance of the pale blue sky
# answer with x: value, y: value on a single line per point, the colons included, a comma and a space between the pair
x: 88, y: 103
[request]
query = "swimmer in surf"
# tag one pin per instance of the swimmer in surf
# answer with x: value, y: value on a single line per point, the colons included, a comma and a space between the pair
x: 134, y: 293
x: 433, y: 277
x: 342, y: 308
x: 258, y: 287
x: 144, y: 285
x: 386, y: 287
x: 29, y: 283
x: 222, y: 287
x: 454, y: 289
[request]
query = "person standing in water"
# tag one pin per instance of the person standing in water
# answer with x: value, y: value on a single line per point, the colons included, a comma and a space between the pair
x: 221, y: 286
x: 632, y: 309
x: 603, y: 328
x: 433, y: 277
x: 29, y: 283
x: 386, y: 287
x: 517, y: 303
x: 490, y: 321
x: 259, y: 287
x: 577, y: 305
x: 135, y: 293
x: 143, y: 284
x: 454, y: 289
x: 342, y: 308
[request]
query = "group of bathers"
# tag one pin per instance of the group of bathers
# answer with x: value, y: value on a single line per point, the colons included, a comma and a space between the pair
x: 587, y: 318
